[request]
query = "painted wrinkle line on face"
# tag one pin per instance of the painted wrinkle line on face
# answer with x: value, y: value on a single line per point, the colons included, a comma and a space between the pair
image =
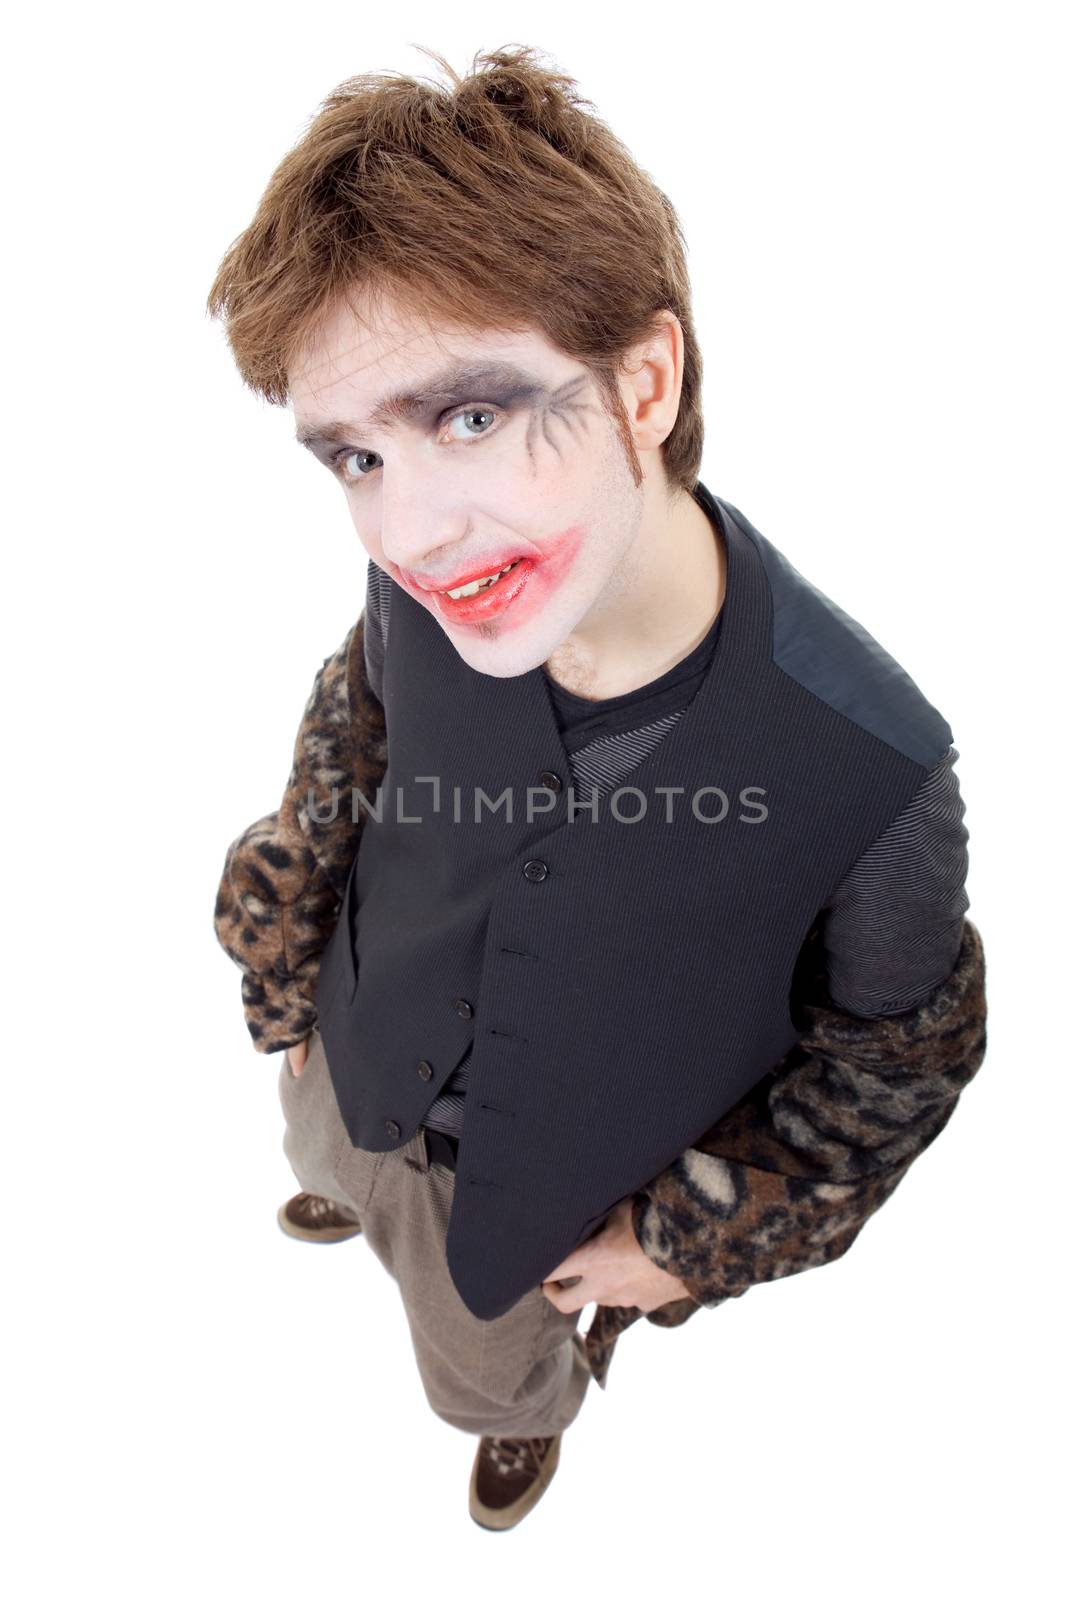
x: 560, y: 406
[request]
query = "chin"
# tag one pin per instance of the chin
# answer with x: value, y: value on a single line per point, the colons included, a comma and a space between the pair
x: 495, y: 663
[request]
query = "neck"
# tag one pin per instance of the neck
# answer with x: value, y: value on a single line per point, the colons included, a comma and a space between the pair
x: 660, y: 603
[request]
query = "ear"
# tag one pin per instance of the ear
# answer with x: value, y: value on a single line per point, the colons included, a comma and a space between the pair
x: 650, y: 382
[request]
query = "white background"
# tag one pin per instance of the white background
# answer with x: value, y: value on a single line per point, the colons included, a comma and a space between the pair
x: 872, y: 197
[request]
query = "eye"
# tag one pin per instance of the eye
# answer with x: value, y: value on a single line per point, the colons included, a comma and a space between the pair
x: 472, y: 411
x: 344, y: 458
x: 347, y: 461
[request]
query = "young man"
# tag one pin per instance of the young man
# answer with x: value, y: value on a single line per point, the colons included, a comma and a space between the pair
x: 612, y: 921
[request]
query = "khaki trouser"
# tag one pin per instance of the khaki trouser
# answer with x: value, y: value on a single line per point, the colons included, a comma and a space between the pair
x: 520, y: 1375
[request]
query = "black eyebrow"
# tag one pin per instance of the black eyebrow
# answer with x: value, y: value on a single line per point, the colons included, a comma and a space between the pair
x: 463, y: 380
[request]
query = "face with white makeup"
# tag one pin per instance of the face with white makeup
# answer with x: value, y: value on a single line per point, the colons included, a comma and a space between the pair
x: 465, y: 455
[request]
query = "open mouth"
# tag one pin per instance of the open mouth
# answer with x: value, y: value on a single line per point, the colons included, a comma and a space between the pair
x: 478, y: 584
x: 486, y: 596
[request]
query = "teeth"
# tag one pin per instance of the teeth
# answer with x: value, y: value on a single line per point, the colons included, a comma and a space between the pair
x: 482, y: 583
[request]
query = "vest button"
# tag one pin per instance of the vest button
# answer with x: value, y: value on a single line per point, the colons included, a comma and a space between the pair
x: 536, y: 871
x: 425, y: 1071
x: 392, y: 1129
x: 550, y: 780
x: 464, y: 1008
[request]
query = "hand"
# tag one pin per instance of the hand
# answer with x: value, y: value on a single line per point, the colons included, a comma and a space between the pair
x: 297, y: 1054
x: 615, y: 1271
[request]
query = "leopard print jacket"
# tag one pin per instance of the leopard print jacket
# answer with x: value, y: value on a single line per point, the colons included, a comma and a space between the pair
x: 788, y: 1177
x: 284, y: 877
x: 783, y: 1182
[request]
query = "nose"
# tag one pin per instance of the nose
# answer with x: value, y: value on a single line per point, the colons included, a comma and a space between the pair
x: 421, y: 523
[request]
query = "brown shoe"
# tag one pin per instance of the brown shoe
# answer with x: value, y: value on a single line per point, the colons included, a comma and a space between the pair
x: 509, y: 1477
x: 312, y: 1216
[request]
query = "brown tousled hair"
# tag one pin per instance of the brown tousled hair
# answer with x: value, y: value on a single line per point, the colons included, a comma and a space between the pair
x: 497, y: 204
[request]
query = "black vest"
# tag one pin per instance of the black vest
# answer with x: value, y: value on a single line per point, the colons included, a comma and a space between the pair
x: 650, y: 950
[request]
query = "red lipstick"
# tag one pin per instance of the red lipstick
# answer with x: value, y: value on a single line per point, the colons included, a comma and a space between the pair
x: 534, y: 579
x: 460, y: 580
x: 487, y: 603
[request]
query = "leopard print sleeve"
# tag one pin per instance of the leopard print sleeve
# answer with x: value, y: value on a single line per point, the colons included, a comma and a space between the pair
x: 284, y: 877
x: 788, y: 1177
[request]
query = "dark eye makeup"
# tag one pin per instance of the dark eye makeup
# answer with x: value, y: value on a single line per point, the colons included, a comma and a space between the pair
x: 337, y: 459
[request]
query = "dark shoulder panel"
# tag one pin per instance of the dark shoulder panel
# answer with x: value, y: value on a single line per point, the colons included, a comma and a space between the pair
x: 833, y: 656
x: 894, y: 923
